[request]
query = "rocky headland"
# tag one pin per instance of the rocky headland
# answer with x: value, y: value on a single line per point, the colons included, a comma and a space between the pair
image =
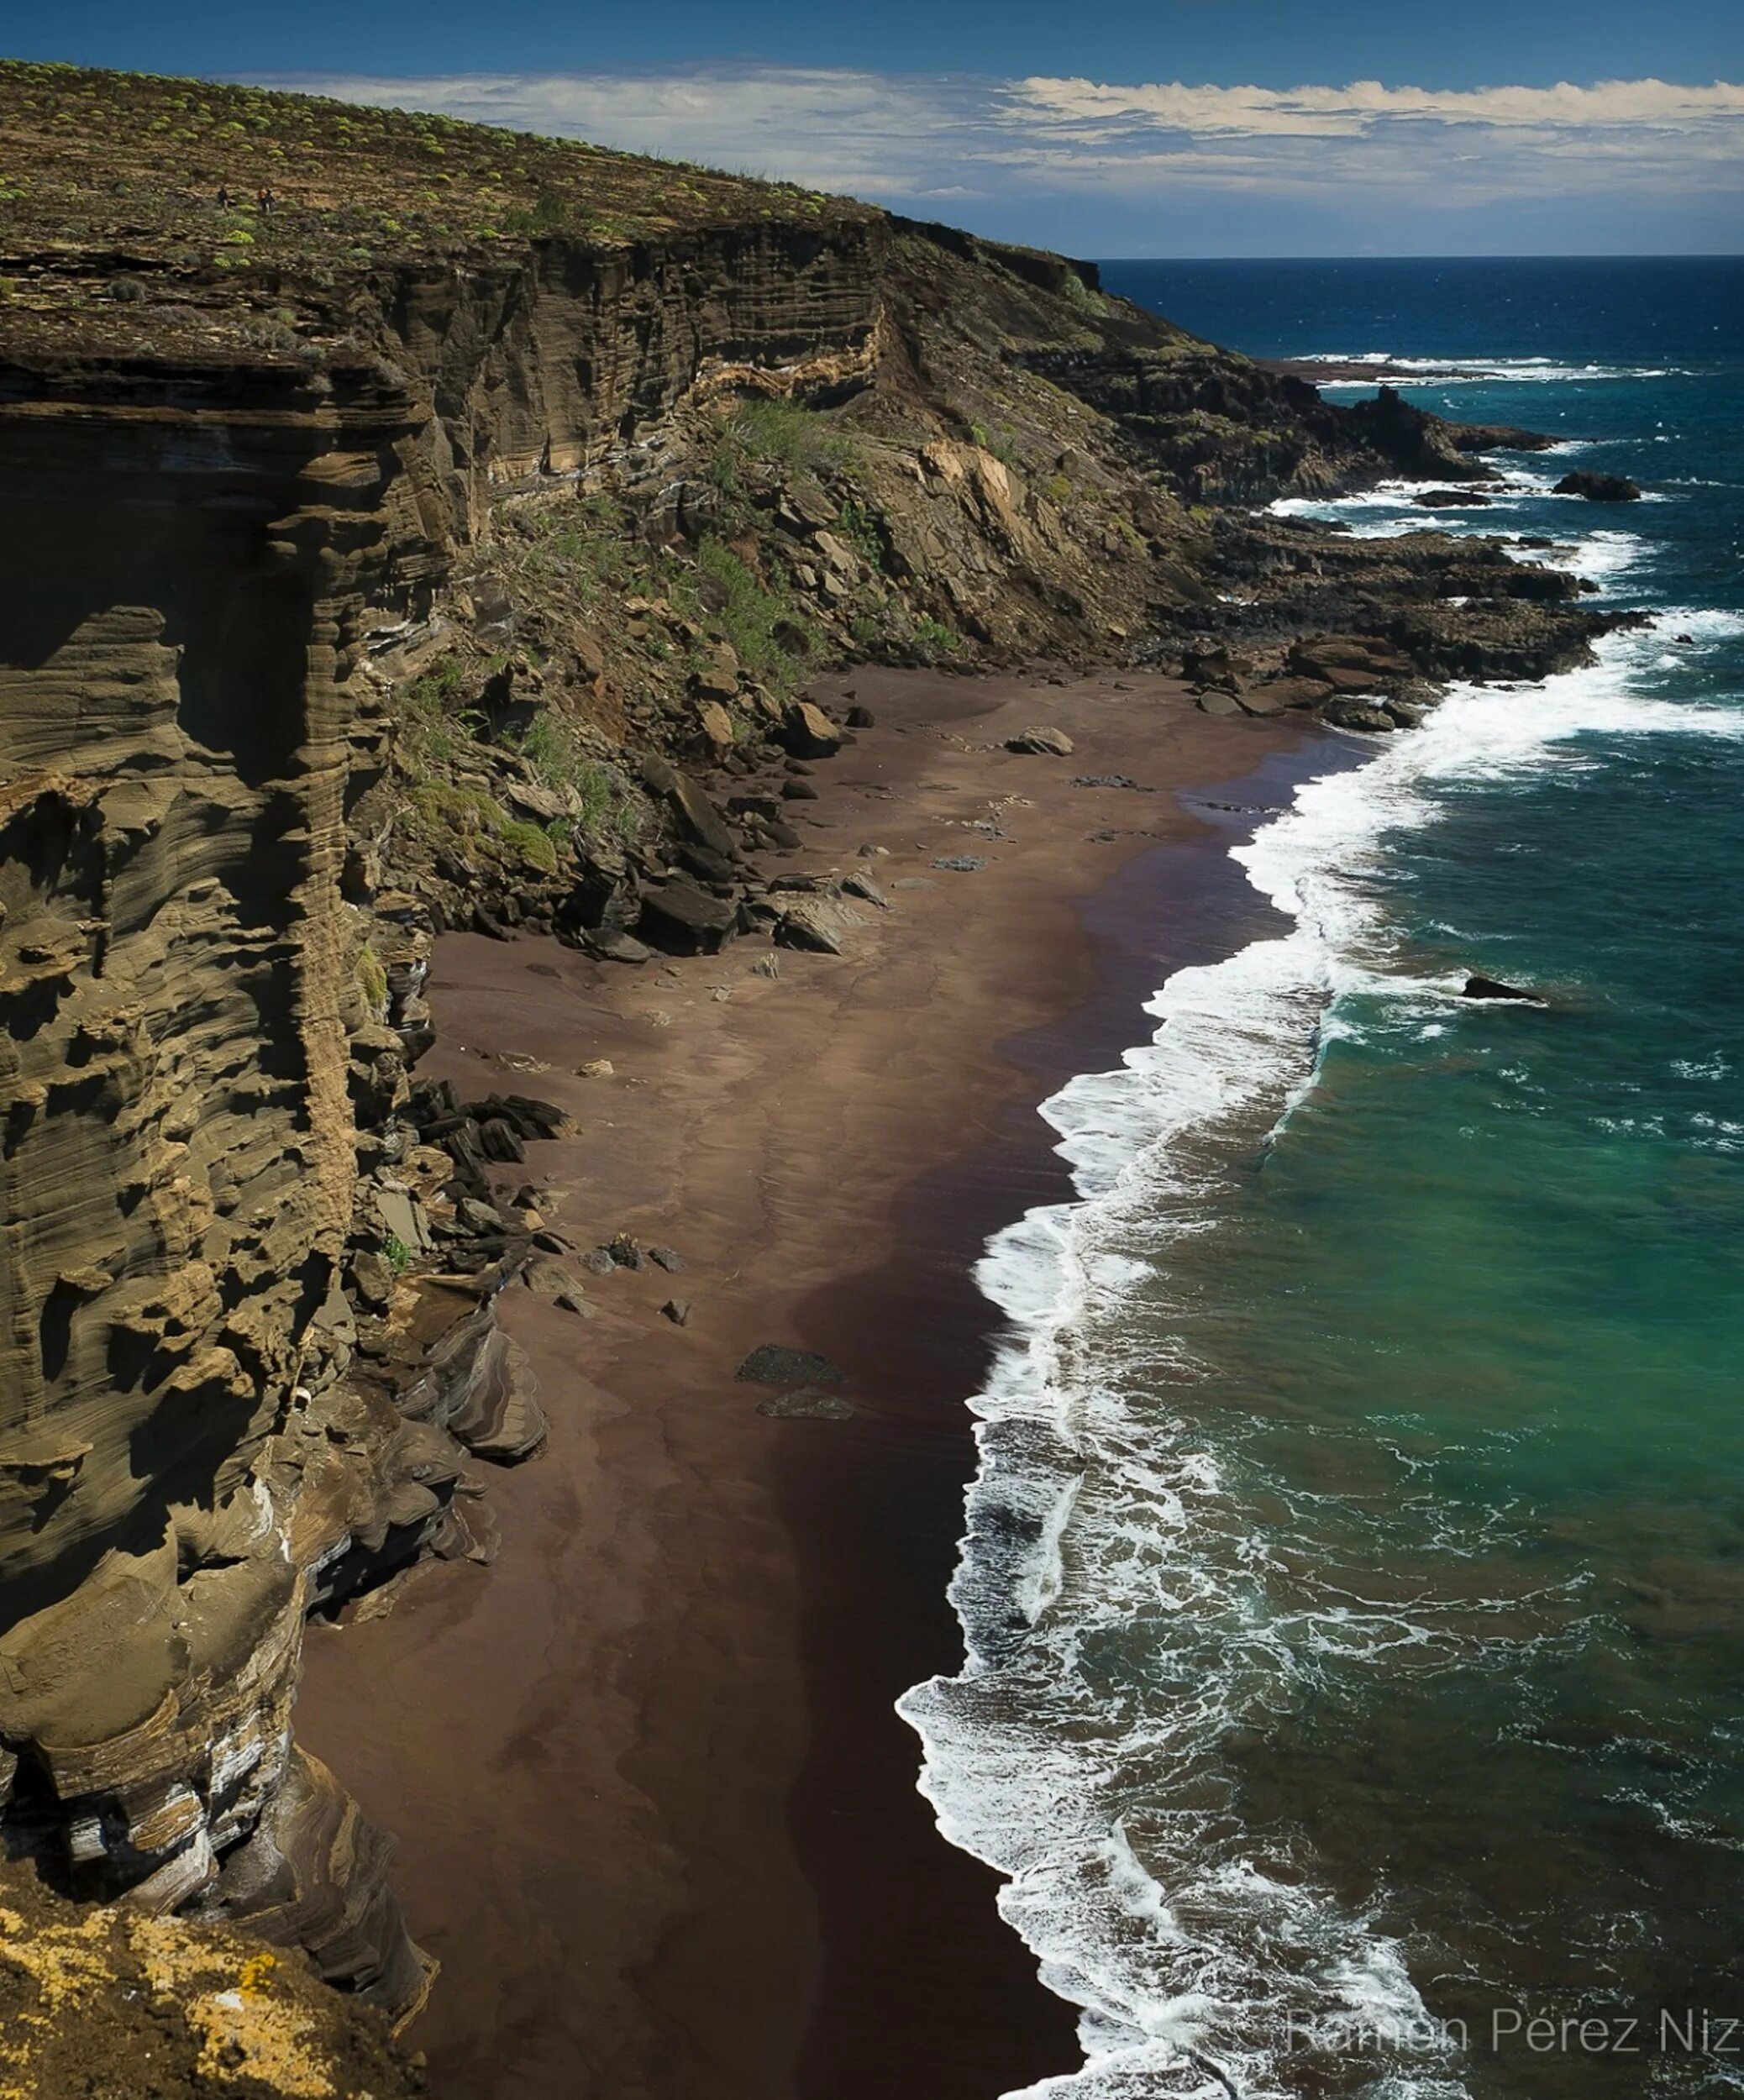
x: 412, y: 528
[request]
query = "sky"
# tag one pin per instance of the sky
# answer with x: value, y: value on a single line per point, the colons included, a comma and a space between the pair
x: 1111, y: 127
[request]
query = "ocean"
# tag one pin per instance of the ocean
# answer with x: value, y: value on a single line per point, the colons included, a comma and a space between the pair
x: 1353, y: 1589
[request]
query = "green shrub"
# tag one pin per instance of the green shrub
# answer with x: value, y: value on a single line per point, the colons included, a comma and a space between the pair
x: 858, y: 524
x: 771, y: 633
x: 434, y: 727
x: 461, y: 809
x: 549, y: 214
x: 934, y: 639
x: 780, y: 432
x: 528, y: 842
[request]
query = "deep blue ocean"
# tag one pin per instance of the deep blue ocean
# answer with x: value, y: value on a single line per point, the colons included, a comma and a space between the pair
x: 1354, y: 1589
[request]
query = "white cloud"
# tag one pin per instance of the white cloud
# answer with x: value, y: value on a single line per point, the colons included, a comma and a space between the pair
x: 1711, y: 112
x: 978, y: 148
x: 833, y: 129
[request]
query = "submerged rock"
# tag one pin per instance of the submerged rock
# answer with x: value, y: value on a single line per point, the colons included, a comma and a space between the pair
x: 1493, y: 988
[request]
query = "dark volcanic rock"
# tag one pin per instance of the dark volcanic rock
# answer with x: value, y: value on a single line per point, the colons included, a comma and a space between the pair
x: 1288, y: 692
x: 856, y: 884
x: 1344, y: 713
x: 697, y: 814
x: 1449, y: 499
x: 1493, y: 988
x: 1599, y: 488
x: 804, y: 1404
x: 773, y: 1364
x: 807, y: 732
x: 681, y: 919
x: 501, y: 1142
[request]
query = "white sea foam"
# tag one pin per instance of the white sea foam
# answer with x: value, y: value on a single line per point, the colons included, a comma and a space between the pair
x: 1187, y: 1950
x: 1429, y: 371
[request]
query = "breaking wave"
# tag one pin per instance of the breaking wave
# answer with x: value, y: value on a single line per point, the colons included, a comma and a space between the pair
x: 1195, y: 1950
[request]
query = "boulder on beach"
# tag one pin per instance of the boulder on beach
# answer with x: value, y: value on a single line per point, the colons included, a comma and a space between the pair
x: 1284, y: 693
x: 1599, y: 488
x: 1050, y: 743
x: 815, y: 923
x: 774, y: 1364
x: 684, y: 920
x: 1345, y: 713
x: 807, y: 1405
x: 807, y: 732
x: 856, y: 884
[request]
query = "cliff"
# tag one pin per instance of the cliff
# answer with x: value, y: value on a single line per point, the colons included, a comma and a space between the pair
x: 403, y: 519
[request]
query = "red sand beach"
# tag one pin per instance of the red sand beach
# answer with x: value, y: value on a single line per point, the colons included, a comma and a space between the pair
x: 658, y: 1819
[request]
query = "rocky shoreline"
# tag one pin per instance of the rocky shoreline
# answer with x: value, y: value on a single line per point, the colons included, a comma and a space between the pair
x: 484, y: 579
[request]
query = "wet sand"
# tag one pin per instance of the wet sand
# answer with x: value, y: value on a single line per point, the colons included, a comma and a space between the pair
x: 658, y: 1820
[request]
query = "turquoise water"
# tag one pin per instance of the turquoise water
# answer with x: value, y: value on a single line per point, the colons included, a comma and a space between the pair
x: 1355, y: 1585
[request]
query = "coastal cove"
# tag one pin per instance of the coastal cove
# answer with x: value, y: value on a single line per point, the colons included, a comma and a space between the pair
x: 870, y: 1122
x: 703, y: 1868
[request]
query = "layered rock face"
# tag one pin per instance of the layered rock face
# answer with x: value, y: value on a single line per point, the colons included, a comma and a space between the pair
x: 177, y: 976
x: 201, y: 1136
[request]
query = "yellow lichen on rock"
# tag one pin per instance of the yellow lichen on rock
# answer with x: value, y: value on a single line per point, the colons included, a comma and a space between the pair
x: 249, y: 2026
x: 102, y: 2001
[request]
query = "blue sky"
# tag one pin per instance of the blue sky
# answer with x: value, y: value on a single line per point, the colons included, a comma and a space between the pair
x: 1164, y: 126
